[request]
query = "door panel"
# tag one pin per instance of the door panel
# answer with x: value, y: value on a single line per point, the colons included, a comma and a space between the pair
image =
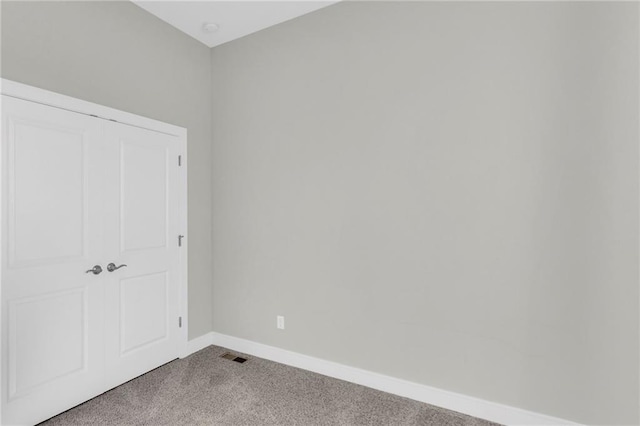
x: 143, y: 196
x: 52, y: 311
x: 60, y: 189
x: 143, y: 313
x: 54, y: 325
x: 142, y: 223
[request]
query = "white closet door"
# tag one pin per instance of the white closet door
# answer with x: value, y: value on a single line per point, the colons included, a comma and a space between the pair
x: 78, y: 191
x: 141, y: 231
x: 52, y: 311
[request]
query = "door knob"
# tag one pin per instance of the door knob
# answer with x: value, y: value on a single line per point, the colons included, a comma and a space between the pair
x: 112, y: 267
x: 95, y: 270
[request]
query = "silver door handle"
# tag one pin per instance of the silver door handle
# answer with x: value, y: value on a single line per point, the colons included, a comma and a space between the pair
x: 112, y: 267
x: 95, y: 270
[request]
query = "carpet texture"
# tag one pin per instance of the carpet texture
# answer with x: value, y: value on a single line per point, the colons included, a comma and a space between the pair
x: 204, y: 389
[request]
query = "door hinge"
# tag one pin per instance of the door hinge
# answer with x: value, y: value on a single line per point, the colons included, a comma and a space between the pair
x: 180, y: 322
x: 179, y: 160
x: 180, y: 237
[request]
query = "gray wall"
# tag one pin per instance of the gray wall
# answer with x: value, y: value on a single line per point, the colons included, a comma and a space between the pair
x: 442, y: 192
x: 445, y: 193
x: 116, y: 54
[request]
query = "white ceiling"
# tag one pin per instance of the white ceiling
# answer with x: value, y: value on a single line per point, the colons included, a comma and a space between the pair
x: 235, y: 18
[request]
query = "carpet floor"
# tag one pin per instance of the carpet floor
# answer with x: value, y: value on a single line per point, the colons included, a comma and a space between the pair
x: 205, y: 389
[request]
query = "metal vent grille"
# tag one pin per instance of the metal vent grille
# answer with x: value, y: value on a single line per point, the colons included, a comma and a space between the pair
x: 232, y: 357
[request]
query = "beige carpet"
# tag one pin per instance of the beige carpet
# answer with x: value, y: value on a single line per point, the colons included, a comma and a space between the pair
x: 205, y: 389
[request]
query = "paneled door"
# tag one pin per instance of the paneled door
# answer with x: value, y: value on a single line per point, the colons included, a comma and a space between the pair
x: 141, y: 324
x: 91, y: 282
x: 52, y: 314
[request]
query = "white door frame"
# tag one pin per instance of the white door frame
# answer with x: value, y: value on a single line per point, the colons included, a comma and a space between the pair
x: 45, y: 97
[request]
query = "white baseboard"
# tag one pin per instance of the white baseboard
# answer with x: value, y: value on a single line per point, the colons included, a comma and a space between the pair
x: 475, y: 407
x: 194, y: 345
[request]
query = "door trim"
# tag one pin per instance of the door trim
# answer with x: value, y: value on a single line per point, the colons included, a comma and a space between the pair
x: 57, y: 100
x: 45, y: 97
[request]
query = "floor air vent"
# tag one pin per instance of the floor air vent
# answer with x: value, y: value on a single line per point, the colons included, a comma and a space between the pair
x: 232, y: 357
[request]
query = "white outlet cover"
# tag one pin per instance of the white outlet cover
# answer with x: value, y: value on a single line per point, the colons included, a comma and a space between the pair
x: 280, y: 322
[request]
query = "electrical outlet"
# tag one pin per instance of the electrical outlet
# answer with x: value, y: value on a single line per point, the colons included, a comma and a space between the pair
x: 280, y: 322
